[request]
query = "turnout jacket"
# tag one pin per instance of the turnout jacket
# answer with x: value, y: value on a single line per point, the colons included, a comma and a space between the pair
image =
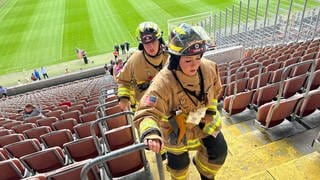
x: 157, y: 112
x: 138, y: 72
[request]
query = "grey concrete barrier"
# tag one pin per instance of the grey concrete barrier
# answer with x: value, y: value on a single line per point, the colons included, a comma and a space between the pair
x: 45, y: 83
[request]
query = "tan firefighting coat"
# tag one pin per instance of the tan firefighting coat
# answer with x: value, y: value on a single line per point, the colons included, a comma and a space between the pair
x: 138, y: 71
x: 165, y: 96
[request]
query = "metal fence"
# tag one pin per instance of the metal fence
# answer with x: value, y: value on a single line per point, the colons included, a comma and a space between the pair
x: 259, y: 23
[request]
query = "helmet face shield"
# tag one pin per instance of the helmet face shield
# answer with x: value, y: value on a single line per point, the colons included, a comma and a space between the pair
x: 193, y: 49
x: 148, y: 32
x: 147, y: 38
x: 186, y: 40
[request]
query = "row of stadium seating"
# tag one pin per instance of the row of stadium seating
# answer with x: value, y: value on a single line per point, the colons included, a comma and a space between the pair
x: 277, y: 85
x: 59, y: 145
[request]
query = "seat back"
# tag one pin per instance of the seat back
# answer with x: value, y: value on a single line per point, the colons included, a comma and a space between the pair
x: 56, y: 138
x: 83, y: 130
x: 270, y: 114
x: 72, y: 173
x: 91, y: 116
x: 21, y: 148
x: 45, y: 160
x: 32, y: 119
x: 22, y: 127
x: 55, y: 113
x: 65, y: 124
x: 293, y: 85
x: 11, y: 124
x: 64, y: 108
x: 91, y: 108
x: 309, y: 104
x: 36, y: 132
x: 237, y: 103
x: 78, y: 107
x: 87, y: 146
x: 4, y: 132
x: 11, y: 138
x: 266, y: 94
x: 72, y: 114
x: 11, y: 169
x: 316, y: 80
x: 117, y: 121
x: 47, y: 121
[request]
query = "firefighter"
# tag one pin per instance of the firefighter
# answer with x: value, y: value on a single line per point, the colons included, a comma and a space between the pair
x: 143, y: 65
x: 179, y: 113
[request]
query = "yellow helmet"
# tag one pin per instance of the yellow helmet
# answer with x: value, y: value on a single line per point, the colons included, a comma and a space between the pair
x: 148, y: 32
x: 187, y: 40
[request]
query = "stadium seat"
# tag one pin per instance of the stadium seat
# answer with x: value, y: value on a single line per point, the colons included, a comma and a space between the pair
x: 91, y: 108
x: 2, y: 158
x: 11, y: 124
x: 5, y: 122
x: 309, y: 104
x: 276, y: 76
x: 11, y: 169
x: 264, y: 79
x: 265, y: 94
x: 237, y: 103
x: 91, y: 116
x: 293, y: 85
x: 56, y: 113
x: 72, y: 114
x: 65, y: 124
x: 237, y: 76
x: 22, y: 127
x: 290, y: 61
x: 272, y: 67
x: 273, y: 113
x: 121, y: 152
x: 47, y: 121
x: 64, y: 108
x: 44, y: 161
x: 87, y: 146
x: 316, y: 80
x: 240, y: 84
x: 93, y: 102
x: 32, y: 119
x: 83, y: 130
x: 37, y: 132
x: 72, y: 172
x: 11, y: 138
x: 56, y: 138
x: 21, y: 148
x: 282, y: 58
x: 4, y: 132
x: 78, y: 107
x: 4, y: 153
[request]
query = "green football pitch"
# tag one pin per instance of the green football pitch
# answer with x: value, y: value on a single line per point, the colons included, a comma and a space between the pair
x: 35, y: 33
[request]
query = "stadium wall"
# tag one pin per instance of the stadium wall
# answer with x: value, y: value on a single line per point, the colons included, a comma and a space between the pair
x: 45, y: 83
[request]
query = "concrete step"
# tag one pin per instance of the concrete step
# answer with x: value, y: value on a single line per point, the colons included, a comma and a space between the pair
x: 305, y: 167
x: 256, y: 161
x: 259, y: 159
x: 246, y: 142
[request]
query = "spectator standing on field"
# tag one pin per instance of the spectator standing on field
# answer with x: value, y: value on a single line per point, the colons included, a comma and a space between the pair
x: 44, y: 72
x: 37, y: 74
x: 123, y: 48
x: 84, y: 56
x: 116, y: 48
x: 127, y: 44
x: 115, y: 54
